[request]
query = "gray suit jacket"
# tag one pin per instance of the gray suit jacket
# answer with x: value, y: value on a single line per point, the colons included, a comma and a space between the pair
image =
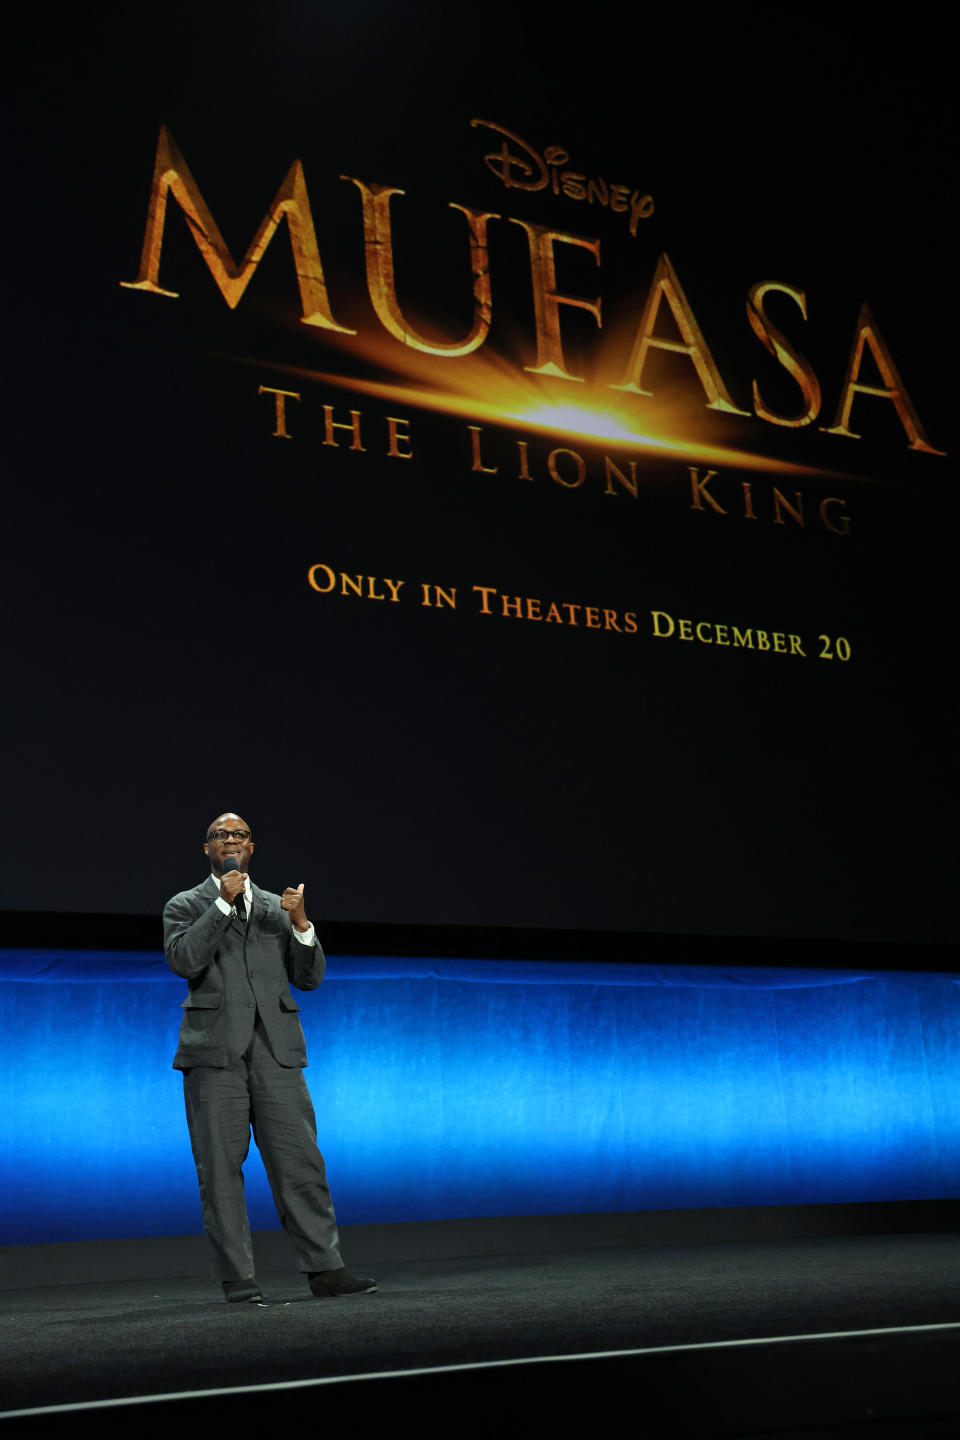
x: 236, y: 970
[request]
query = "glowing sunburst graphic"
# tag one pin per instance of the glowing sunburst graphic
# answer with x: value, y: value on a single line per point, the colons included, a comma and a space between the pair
x: 594, y: 424
x: 487, y: 389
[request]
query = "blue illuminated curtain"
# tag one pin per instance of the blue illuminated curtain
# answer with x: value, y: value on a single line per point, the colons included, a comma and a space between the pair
x: 447, y: 1089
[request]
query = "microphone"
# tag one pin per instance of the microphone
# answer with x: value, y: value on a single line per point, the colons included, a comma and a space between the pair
x: 232, y: 863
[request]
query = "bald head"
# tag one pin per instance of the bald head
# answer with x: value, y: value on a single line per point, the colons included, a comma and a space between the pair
x: 228, y: 835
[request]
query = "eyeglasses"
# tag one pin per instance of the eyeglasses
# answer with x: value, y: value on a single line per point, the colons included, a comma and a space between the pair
x: 221, y: 835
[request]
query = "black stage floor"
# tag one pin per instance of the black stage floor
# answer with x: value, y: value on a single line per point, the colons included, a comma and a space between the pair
x: 807, y: 1337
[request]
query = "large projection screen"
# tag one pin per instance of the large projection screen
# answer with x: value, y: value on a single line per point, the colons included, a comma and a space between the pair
x: 507, y: 457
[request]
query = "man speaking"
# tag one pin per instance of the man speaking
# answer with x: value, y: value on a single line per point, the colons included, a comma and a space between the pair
x: 242, y: 1054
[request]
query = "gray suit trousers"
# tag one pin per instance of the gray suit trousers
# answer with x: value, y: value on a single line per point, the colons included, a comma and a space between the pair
x: 223, y: 1104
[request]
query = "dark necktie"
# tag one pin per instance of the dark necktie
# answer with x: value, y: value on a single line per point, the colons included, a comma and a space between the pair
x: 240, y: 907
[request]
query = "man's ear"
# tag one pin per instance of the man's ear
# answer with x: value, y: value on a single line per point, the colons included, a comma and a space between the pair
x: 206, y: 849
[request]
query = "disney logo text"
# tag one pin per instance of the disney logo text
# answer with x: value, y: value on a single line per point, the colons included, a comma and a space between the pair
x: 525, y: 169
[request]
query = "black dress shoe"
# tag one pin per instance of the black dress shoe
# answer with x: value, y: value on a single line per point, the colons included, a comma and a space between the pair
x: 239, y: 1290
x: 338, y: 1283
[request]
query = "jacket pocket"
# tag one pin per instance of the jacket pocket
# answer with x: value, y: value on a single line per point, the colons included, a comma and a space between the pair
x: 201, y: 1002
x: 287, y: 1002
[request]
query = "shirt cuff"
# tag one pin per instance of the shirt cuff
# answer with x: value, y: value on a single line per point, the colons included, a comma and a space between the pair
x: 306, y: 938
x: 222, y: 905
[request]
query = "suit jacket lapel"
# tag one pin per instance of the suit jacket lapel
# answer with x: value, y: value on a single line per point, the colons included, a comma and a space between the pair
x: 206, y: 894
x: 258, y: 905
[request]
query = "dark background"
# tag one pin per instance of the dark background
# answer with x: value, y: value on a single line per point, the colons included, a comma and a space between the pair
x: 167, y: 659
